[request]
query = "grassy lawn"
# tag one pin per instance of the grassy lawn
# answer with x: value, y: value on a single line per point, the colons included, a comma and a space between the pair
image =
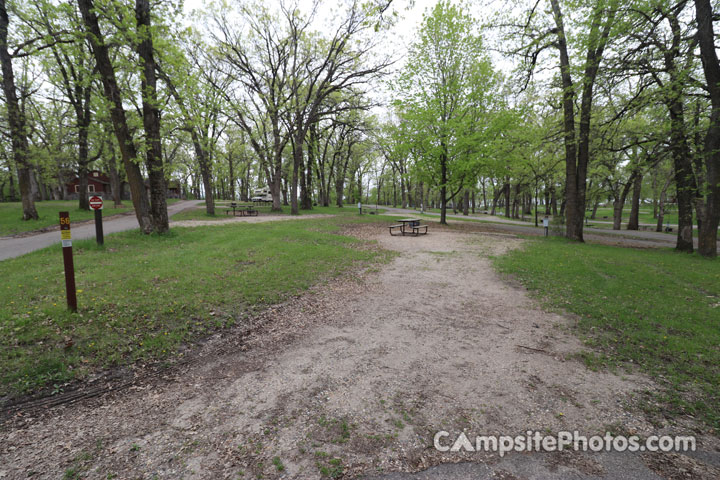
x: 141, y: 297
x: 220, y: 207
x: 11, y: 221
x: 656, y: 310
x: 645, y: 215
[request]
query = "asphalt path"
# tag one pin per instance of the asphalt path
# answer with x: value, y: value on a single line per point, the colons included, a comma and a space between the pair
x: 16, y: 246
x: 649, y: 238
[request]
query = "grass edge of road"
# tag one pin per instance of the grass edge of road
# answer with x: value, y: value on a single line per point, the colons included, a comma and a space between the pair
x: 12, y: 224
x: 143, y: 297
x: 652, y: 310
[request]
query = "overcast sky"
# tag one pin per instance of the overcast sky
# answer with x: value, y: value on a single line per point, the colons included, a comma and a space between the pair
x: 410, y: 15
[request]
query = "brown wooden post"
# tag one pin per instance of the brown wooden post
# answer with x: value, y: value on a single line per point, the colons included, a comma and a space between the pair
x: 68, y: 261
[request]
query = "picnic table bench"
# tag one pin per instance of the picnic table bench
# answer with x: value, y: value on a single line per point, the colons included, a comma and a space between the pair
x: 408, y: 226
x: 242, y: 209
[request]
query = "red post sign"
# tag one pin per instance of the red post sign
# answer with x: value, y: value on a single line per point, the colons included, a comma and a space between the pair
x: 66, y: 239
x: 96, y: 203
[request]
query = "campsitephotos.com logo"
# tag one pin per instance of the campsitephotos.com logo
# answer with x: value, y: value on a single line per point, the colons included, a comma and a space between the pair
x: 534, y: 441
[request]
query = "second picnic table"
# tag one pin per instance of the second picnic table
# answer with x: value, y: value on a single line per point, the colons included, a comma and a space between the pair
x: 409, y: 226
x: 242, y: 209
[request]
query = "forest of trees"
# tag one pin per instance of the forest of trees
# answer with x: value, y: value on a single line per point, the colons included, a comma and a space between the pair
x: 608, y: 102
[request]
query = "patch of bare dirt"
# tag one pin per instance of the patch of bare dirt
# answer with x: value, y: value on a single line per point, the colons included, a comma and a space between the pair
x: 354, y: 377
x: 676, y: 466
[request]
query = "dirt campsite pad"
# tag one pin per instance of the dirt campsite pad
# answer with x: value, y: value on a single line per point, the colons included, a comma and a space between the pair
x: 352, y: 379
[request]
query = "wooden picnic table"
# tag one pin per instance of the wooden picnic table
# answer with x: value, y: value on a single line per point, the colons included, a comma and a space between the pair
x: 242, y: 208
x: 409, y: 226
x: 412, y: 222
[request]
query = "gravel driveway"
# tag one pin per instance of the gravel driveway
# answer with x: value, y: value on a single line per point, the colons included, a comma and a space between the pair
x: 354, y: 379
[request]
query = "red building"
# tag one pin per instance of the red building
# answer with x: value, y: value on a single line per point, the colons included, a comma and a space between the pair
x: 97, y: 183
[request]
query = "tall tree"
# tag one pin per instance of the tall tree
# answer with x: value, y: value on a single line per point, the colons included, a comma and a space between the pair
x: 72, y: 73
x: 710, y: 207
x: 257, y: 61
x: 111, y: 89
x: 200, y: 90
x: 151, y: 117
x: 445, y: 100
x: 577, y: 149
x: 16, y: 120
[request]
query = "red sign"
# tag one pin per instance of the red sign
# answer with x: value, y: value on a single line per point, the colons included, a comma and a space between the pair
x: 96, y: 203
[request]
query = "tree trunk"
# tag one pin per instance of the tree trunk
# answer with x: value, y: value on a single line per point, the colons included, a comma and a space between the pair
x: 339, y: 187
x: 484, y: 194
x: 496, y: 197
x: 508, y: 212
x: 205, y: 173
x: 277, y: 190
x: 151, y: 118
x: 312, y: 161
x: 297, y: 167
x: 619, y: 202
x: 421, y: 188
x: 307, y: 198
x: 285, y: 191
x: 83, y: 202
x: 528, y: 204
x: 115, y: 186
x: 12, y: 195
x: 443, y: 187
x: 231, y: 169
x: 633, y: 222
x: 547, y: 200
x: 684, y: 183
x: 16, y: 121
x: 83, y: 124
x: 661, y: 205
x: 707, y: 236
x: 577, y: 155
x: 117, y: 113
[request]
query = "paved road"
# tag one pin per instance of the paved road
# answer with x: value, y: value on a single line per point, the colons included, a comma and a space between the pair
x: 573, y: 465
x: 14, y: 247
x: 517, y: 226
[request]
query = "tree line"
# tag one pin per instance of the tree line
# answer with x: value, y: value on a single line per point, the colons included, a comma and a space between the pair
x: 257, y: 95
x: 607, y: 101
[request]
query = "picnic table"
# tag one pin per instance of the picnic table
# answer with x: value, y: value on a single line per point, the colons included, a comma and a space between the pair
x: 244, y: 209
x: 409, y: 226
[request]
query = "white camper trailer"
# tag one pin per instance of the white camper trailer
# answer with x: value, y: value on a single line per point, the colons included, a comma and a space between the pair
x: 261, y: 195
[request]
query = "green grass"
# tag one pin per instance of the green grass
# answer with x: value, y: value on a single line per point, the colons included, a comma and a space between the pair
x: 11, y: 221
x: 654, y: 309
x: 645, y: 215
x: 142, y: 297
x: 220, y: 214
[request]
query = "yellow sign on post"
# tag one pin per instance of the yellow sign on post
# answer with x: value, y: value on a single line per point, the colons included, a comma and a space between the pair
x: 68, y: 261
